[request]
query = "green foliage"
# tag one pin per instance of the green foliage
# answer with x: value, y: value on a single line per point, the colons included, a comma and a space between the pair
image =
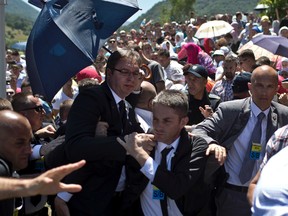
x: 19, y: 19
x: 16, y: 22
x: 275, y: 5
x: 181, y: 9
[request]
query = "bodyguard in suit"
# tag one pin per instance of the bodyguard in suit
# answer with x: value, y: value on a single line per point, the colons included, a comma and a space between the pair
x: 100, y: 178
x: 233, y: 126
x: 172, y: 177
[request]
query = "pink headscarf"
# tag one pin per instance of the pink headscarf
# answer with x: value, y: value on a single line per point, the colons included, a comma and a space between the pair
x: 191, y: 51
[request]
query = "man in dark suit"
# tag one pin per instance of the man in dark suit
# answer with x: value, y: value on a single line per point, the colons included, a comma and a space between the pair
x: 232, y: 126
x: 171, y: 184
x: 100, y: 178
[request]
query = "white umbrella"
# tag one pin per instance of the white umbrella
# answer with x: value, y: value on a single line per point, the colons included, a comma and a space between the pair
x: 260, y: 7
x: 213, y: 29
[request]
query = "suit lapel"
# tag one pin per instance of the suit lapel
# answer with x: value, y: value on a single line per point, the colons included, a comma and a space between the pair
x: 183, y: 147
x: 272, y: 123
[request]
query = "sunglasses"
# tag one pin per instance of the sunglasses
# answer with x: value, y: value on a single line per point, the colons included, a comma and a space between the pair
x: 38, y: 109
x: 112, y: 41
x: 144, y: 38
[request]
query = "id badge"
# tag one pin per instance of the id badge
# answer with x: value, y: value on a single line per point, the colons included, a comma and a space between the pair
x: 255, y: 151
x: 157, y: 194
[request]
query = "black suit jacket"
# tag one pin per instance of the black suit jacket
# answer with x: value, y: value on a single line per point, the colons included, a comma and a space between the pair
x: 184, y: 183
x: 104, y: 155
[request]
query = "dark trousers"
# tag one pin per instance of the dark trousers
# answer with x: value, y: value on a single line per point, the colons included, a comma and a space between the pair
x: 230, y: 202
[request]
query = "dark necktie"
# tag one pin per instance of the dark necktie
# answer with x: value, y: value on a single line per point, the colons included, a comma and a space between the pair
x: 123, y: 114
x: 248, y: 163
x: 163, y: 165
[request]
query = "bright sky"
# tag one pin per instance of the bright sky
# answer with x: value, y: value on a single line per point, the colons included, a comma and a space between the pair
x: 145, y: 5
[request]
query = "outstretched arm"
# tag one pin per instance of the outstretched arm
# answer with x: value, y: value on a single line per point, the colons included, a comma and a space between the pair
x: 46, y: 184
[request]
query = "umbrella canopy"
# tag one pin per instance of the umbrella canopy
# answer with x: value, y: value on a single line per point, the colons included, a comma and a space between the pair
x: 274, y: 44
x: 213, y: 29
x: 259, y: 51
x: 19, y: 46
x: 66, y: 38
x: 261, y: 7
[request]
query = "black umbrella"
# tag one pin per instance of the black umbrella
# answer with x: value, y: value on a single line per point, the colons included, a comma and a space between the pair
x: 66, y: 38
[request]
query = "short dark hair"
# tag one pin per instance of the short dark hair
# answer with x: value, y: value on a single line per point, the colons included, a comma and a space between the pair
x: 247, y: 53
x: 120, y: 54
x: 174, y: 99
x: 164, y: 52
x: 263, y: 60
x: 230, y: 58
x: 20, y: 101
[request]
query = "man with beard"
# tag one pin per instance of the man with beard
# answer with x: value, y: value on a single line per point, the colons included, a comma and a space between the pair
x: 223, y: 87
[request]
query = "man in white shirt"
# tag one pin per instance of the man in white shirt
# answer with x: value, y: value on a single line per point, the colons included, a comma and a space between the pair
x: 233, y: 126
x: 171, y: 185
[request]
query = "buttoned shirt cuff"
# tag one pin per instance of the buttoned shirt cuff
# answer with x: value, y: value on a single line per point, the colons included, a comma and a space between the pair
x: 36, y: 152
x: 65, y: 196
x: 149, y: 168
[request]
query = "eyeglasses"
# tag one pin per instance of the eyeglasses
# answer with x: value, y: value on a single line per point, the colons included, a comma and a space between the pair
x: 38, y: 109
x: 144, y: 38
x: 127, y: 73
x: 112, y: 41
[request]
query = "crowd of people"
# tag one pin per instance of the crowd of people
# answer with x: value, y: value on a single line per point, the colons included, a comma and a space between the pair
x: 168, y: 124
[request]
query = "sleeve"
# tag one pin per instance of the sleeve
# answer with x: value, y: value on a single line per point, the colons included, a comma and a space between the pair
x: 81, y: 142
x: 149, y: 168
x: 4, y: 169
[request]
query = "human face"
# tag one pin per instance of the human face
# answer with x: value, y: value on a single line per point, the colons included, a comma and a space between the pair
x: 163, y: 61
x: 123, y: 85
x: 229, y: 69
x: 263, y: 87
x: 246, y: 64
x: 196, y: 85
x: 284, y: 33
x: 17, y: 146
x: 147, y: 50
x: 167, y: 124
x: 33, y: 113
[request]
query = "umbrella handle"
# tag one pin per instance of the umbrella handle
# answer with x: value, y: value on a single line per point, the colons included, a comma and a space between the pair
x: 148, y: 72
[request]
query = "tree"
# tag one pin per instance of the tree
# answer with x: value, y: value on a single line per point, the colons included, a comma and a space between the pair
x: 181, y: 9
x: 276, y: 8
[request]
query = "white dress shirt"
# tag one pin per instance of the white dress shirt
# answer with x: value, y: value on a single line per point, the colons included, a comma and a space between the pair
x: 149, y: 205
x: 238, y: 151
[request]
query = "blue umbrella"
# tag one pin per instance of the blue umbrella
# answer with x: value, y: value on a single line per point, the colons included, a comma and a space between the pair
x: 19, y: 46
x: 66, y: 38
x: 274, y: 44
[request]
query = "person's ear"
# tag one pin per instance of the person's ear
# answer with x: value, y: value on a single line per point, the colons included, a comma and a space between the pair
x: 249, y: 86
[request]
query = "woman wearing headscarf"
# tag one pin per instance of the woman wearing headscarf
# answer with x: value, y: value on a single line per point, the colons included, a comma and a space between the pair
x: 283, y: 32
x: 167, y: 45
x: 195, y: 55
x: 208, y: 45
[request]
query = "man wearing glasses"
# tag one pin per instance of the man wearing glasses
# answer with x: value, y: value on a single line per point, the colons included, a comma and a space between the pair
x: 31, y: 107
x: 104, y: 177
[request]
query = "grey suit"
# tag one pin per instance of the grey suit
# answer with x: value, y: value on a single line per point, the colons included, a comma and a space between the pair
x: 231, y: 117
x: 225, y: 126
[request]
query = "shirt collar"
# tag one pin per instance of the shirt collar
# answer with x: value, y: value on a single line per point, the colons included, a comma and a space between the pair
x: 115, y: 96
x: 161, y: 145
x: 255, y: 110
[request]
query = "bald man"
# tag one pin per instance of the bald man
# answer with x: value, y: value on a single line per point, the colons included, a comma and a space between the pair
x: 15, y: 149
x: 143, y: 107
x: 232, y: 126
